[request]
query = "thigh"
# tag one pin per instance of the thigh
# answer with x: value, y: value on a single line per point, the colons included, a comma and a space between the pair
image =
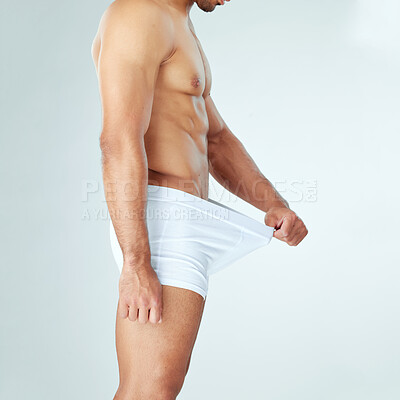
x: 159, y: 354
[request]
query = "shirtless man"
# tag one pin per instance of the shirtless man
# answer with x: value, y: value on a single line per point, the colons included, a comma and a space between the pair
x: 161, y: 126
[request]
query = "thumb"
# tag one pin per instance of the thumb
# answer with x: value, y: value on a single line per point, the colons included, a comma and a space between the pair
x: 122, y: 309
x: 272, y: 220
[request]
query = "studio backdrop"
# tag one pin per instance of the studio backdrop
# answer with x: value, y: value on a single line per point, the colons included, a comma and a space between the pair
x: 312, y: 89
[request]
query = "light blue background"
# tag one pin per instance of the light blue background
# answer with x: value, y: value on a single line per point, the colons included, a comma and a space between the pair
x: 312, y: 89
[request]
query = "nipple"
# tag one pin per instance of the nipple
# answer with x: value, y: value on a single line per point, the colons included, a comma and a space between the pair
x: 196, y: 82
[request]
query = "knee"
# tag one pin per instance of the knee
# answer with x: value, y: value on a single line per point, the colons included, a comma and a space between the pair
x: 162, y: 393
x: 155, y: 393
x: 163, y: 382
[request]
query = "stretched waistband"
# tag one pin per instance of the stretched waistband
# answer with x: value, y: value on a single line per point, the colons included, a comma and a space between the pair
x: 210, y: 207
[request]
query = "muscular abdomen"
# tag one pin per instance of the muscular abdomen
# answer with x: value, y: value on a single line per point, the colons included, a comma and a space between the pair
x: 176, y: 143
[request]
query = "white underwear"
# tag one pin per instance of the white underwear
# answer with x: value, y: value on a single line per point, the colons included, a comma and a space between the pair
x: 191, y: 238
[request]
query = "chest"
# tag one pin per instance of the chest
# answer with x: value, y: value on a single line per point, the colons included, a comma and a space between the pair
x: 187, y: 71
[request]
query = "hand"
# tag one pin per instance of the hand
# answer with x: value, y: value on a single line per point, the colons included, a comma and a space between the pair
x: 289, y: 227
x: 140, y: 294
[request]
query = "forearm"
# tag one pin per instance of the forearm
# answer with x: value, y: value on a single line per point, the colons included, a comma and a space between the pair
x: 125, y: 182
x: 233, y: 168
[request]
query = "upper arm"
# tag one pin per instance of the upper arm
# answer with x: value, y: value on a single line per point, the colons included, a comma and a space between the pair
x: 135, y: 40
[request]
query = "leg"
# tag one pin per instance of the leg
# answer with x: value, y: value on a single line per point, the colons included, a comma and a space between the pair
x: 154, y: 358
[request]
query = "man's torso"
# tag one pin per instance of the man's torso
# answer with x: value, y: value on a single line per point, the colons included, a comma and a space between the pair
x: 176, y: 140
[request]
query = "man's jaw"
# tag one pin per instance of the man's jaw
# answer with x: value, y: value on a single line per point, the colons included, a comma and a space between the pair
x: 222, y: 2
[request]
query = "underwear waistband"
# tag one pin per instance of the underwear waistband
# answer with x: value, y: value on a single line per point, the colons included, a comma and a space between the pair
x: 212, y: 207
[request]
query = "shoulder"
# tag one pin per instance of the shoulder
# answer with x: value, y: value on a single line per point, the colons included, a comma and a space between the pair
x: 144, y: 14
x: 139, y: 25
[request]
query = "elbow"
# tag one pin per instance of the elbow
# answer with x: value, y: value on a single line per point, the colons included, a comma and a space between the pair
x: 213, y: 153
x: 109, y: 145
x: 215, y: 146
x: 106, y: 140
x: 117, y: 145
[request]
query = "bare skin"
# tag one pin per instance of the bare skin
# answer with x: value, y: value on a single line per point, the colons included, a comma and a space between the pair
x: 161, y: 127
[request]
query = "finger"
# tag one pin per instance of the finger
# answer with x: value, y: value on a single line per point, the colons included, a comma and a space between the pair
x: 155, y: 315
x: 123, y: 309
x: 299, y: 232
x: 283, y: 232
x: 287, y: 226
x: 293, y: 235
x: 143, y: 315
x: 133, y: 313
x: 302, y: 235
x: 278, y: 234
